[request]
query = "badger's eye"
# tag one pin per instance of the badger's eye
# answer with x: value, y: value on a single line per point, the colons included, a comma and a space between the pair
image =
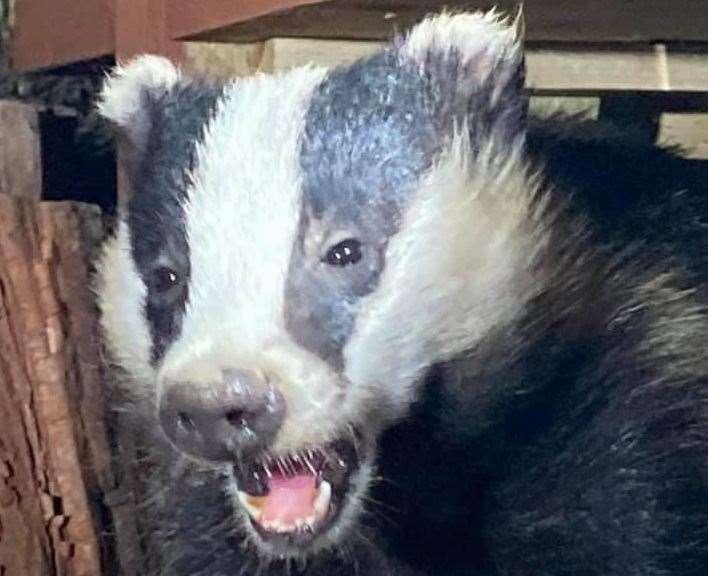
x: 344, y: 253
x: 164, y: 279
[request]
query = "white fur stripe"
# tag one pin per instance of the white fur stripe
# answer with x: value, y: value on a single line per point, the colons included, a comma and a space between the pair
x: 242, y: 216
x: 458, y: 267
x: 244, y: 204
x: 121, y: 297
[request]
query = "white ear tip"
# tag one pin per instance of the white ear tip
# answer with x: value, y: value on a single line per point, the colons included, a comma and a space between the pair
x: 468, y: 34
x: 123, y: 91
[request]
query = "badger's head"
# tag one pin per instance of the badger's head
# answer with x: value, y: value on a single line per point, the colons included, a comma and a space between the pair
x: 301, y: 247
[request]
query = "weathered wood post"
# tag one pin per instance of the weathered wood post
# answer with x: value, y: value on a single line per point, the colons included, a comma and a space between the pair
x: 55, y: 463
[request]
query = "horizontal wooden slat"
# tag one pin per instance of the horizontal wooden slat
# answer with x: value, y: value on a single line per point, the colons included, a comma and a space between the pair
x: 50, y: 33
x: 20, y: 153
x: 563, y: 68
x: 546, y: 20
x: 190, y: 17
x: 222, y: 61
x: 689, y: 131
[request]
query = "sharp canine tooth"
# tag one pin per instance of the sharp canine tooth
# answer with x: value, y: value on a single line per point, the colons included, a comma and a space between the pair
x: 253, y: 512
x: 322, y: 501
x: 311, y: 467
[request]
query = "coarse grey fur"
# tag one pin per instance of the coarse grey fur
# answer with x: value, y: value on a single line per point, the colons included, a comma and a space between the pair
x: 369, y: 136
x: 569, y: 437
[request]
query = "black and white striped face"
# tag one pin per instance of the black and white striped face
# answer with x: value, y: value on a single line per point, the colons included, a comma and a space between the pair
x: 301, y: 247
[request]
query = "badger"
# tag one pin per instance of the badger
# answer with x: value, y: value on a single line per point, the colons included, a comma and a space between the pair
x: 388, y: 291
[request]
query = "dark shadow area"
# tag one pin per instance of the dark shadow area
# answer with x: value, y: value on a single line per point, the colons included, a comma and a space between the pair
x: 74, y: 165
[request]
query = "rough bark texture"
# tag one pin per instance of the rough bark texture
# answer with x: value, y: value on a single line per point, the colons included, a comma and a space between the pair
x: 55, y: 463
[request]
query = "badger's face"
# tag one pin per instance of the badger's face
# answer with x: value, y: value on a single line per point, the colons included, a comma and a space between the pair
x: 301, y: 247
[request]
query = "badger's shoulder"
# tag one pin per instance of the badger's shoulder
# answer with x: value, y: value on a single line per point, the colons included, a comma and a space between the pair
x: 627, y: 189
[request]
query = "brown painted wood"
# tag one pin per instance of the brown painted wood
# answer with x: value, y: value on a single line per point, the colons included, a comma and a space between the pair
x: 141, y: 27
x: 192, y: 17
x: 55, y: 32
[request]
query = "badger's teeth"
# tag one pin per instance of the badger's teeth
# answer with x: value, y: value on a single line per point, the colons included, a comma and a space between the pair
x: 275, y: 526
x: 322, y: 501
x: 252, y: 510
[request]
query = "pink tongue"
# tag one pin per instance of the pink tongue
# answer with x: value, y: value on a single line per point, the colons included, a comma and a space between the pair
x: 290, y: 499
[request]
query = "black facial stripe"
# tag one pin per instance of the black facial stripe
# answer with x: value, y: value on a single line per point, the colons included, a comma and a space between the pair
x: 369, y: 135
x: 155, y: 212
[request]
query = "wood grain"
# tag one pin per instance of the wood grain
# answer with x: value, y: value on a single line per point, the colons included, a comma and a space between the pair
x: 55, y: 463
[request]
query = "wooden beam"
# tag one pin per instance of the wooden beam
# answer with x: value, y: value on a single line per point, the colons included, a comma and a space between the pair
x: 20, y: 151
x: 561, y: 69
x: 54, y: 453
x: 141, y: 27
x: 55, y: 32
x: 689, y: 131
x: 546, y: 20
x: 222, y: 61
x: 192, y: 17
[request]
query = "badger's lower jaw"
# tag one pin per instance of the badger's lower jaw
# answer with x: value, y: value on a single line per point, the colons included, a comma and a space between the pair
x: 300, y: 502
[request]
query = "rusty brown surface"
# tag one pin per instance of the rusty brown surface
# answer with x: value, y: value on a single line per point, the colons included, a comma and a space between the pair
x: 55, y: 32
x: 55, y: 463
x: 191, y: 17
x: 141, y: 27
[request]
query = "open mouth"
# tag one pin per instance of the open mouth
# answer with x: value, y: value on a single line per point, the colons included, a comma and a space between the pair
x: 293, y: 498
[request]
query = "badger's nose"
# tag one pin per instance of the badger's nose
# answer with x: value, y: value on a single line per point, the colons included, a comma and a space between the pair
x: 217, y: 421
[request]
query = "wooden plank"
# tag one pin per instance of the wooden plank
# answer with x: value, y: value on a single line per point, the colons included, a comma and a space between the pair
x: 567, y: 68
x: 222, y: 61
x: 191, y: 17
x: 54, y: 451
x: 583, y: 70
x: 688, y: 71
x: 688, y: 131
x: 20, y: 151
x: 55, y: 32
x: 546, y: 20
x: 284, y: 53
x: 50, y: 33
x: 141, y: 27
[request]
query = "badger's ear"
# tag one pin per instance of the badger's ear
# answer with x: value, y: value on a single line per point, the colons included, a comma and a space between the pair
x: 476, y: 66
x: 132, y: 92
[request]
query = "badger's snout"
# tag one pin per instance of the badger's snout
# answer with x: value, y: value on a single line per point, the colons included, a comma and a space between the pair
x: 216, y: 421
